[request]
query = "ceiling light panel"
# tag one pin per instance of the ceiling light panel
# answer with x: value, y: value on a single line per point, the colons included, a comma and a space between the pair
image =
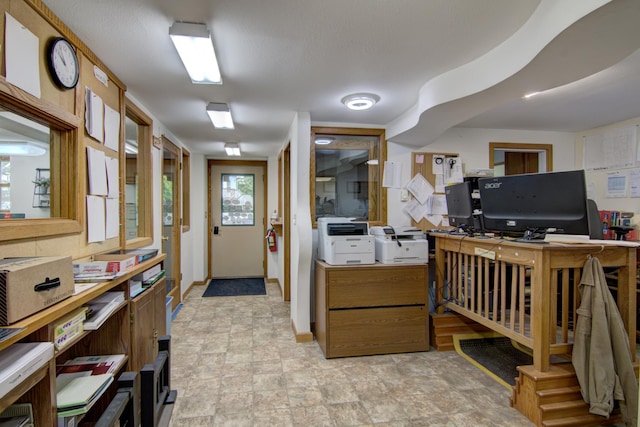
x: 195, y: 47
x: 220, y: 115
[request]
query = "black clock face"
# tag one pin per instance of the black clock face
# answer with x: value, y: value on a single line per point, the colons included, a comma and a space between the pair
x: 63, y: 63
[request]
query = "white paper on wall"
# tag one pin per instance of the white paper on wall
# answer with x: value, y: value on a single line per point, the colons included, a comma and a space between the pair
x: 94, y: 120
x: 111, y: 128
x: 113, y: 219
x: 95, y: 219
x: 97, y: 171
x: 22, y: 57
x: 111, y: 164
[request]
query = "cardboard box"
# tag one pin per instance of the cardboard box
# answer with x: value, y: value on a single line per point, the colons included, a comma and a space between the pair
x: 96, y: 267
x: 68, y: 327
x: 28, y: 285
x: 117, y: 262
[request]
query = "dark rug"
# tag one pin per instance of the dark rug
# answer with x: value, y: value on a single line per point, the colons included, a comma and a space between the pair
x: 234, y: 287
x: 495, y: 354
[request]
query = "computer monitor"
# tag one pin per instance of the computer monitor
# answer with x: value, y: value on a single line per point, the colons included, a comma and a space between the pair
x: 459, y: 205
x: 535, y: 204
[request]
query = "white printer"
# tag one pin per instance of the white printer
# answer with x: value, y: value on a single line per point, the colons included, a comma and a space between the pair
x: 400, y: 245
x: 343, y: 242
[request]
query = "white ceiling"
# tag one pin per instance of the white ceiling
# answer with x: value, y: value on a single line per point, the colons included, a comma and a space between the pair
x: 434, y: 63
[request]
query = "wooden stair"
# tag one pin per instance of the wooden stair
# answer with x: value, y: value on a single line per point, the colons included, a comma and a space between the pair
x: 553, y: 398
x: 444, y: 326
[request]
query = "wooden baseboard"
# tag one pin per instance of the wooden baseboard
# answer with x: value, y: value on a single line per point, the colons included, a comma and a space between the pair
x: 301, y: 337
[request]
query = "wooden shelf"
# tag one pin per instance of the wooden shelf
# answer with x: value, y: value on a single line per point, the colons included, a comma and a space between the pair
x: 114, y: 336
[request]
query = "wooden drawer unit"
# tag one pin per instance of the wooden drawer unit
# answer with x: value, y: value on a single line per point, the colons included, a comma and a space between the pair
x: 371, y: 309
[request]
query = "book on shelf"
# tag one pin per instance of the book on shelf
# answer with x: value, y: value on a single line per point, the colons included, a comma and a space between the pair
x: 94, y: 365
x: 20, y: 360
x: 153, y: 279
x: 100, y: 308
x: 76, y: 393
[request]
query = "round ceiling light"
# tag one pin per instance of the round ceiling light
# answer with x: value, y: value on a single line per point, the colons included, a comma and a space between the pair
x: 360, y: 101
x: 324, y: 140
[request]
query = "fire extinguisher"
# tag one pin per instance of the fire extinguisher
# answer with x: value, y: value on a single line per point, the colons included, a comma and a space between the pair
x: 271, y: 240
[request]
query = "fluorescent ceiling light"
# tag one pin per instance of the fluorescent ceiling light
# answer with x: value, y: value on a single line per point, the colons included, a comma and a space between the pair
x: 220, y: 115
x: 360, y: 101
x: 131, y: 147
x: 195, y: 47
x: 21, y: 148
x: 232, y: 149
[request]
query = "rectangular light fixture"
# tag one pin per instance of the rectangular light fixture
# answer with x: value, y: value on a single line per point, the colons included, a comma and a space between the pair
x: 232, y: 149
x: 195, y: 47
x: 220, y: 115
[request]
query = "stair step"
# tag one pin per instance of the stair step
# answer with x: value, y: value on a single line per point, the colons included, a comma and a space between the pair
x: 589, y: 420
x: 559, y: 394
x: 564, y: 409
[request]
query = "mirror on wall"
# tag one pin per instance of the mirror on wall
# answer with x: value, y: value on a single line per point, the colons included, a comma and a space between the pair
x: 25, y: 168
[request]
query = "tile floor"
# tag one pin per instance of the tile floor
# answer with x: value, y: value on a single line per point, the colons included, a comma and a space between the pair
x: 235, y: 362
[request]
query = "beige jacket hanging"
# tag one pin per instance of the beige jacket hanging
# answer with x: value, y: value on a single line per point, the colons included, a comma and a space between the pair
x: 601, y: 355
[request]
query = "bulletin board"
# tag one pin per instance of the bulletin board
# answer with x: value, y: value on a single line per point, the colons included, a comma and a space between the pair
x: 421, y: 162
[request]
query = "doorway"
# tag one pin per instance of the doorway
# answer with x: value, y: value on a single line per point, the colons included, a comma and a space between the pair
x: 170, y: 199
x: 509, y: 158
x: 237, y: 223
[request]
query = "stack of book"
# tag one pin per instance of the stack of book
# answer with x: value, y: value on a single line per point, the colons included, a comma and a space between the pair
x: 81, y: 381
x: 99, y: 309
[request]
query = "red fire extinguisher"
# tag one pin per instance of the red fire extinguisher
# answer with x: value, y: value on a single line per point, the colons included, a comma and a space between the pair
x: 271, y: 240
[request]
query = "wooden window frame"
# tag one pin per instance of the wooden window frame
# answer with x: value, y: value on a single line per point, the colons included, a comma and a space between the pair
x: 145, y: 179
x: 382, y: 149
x: 186, y: 189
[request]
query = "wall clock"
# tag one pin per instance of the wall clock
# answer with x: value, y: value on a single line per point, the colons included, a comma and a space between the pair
x: 63, y: 63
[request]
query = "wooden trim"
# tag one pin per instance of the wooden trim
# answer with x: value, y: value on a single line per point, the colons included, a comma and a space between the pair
x: 186, y: 190
x: 167, y: 145
x: 286, y: 218
x: 377, y: 206
x: 301, y: 337
x: 144, y: 168
x: 58, y: 25
x: 215, y: 162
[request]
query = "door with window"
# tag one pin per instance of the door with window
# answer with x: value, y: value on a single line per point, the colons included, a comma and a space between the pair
x: 237, y: 225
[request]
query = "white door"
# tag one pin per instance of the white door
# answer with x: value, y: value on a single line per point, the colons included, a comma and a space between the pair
x: 238, y: 221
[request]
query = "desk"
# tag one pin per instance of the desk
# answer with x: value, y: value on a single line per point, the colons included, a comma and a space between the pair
x: 527, y: 291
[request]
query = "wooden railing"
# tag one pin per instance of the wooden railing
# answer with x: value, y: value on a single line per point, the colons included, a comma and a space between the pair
x: 527, y: 291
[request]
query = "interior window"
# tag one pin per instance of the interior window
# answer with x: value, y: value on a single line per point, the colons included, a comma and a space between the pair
x: 346, y: 166
x: 138, y: 230
x: 25, y: 181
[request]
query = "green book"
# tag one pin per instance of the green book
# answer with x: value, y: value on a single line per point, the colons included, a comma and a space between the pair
x: 78, y: 395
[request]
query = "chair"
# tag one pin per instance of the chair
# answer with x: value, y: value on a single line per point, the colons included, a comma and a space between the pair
x: 156, y: 397
x: 123, y: 408
x: 595, y: 223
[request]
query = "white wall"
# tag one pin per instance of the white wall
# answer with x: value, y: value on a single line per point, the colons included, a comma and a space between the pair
x: 597, y: 180
x: 301, y: 247
x: 473, y: 147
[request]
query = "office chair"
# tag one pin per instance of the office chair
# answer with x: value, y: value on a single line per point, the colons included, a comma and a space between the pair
x: 595, y: 223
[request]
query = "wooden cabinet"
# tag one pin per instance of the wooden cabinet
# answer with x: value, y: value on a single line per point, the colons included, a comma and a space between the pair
x: 115, y: 336
x: 148, y: 323
x: 371, y: 309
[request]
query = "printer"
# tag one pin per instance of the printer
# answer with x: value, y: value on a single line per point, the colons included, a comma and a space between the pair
x: 400, y: 245
x: 343, y: 242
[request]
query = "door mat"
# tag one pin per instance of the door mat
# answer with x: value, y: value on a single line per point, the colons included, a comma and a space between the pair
x: 235, y: 287
x: 495, y: 354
